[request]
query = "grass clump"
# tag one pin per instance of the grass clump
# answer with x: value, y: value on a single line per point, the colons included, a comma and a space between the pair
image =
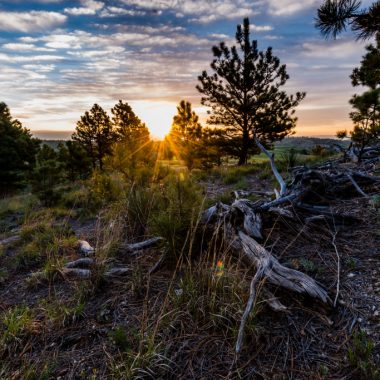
x: 15, y: 323
x: 179, y: 206
x: 44, y: 237
x: 360, y: 356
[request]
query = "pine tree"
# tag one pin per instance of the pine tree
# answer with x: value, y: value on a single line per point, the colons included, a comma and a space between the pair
x: 244, y: 93
x: 94, y: 131
x: 366, y: 118
x: 334, y: 16
x: 368, y: 74
x: 366, y: 113
x: 46, y: 175
x: 17, y: 151
x: 134, y: 146
x: 185, y: 134
x: 74, y: 160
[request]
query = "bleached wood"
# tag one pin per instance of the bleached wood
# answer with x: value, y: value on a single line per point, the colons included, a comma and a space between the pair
x: 85, y: 248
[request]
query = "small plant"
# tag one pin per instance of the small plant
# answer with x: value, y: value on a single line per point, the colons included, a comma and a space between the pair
x: 308, y: 265
x: 119, y: 338
x: 182, y: 202
x: 375, y: 202
x: 360, y: 356
x: 288, y: 159
x: 15, y: 323
x: 44, y: 238
x: 3, y: 275
x: 58, y: 314
x: 351, y: 263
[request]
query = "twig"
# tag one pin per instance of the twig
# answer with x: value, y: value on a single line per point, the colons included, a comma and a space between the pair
x: 338, y: 267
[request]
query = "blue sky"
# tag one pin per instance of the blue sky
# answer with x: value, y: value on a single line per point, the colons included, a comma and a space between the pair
x: 59, y: 57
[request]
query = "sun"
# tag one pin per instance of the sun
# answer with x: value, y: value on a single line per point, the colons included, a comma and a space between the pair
x: 158, y: 116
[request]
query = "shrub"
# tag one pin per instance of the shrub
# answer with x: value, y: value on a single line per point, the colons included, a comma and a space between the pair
x: 179, y: 205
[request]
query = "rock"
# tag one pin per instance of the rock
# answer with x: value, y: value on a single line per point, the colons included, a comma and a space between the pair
x: 350, y: 275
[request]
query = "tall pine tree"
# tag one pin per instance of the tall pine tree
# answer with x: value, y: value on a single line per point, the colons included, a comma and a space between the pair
x: 94, y: 131
x: 185, y: 134
x: 134, y: 147
x: 244, y: 93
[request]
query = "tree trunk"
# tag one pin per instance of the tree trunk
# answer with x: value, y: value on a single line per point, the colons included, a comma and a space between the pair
x: 244, y: 148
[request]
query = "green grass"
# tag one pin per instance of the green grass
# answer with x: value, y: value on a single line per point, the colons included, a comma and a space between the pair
x: 15, y: 323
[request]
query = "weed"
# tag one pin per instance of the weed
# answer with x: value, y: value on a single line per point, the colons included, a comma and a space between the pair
x: 182, y: 202
x: 351, y: 263
x: 308, y: 265
x: 375, y: 202
x: 59, y: 314
x: 212, y: 295
x: 360, y: 356
x: 242, y: 184
x: 147, y: 361
x: 119, y: 338
x: 43, y: 238
x: 288, y: 160
x: 3, y: 275
x: 16, y: 323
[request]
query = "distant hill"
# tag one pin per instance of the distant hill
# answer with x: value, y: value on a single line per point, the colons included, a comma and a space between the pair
x: 310, y: 142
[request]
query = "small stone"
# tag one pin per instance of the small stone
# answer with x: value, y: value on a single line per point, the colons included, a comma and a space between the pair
x: 360, y: 320
x: 350, y: 275
x: 376, y: 313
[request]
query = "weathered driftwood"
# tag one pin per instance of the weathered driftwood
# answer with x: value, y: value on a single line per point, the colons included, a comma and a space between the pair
x: 134, y: 247
x: 77, y: 272
x: 83, y: 262
x: 85, y: 248
x: 117, y: 271
x: 307, y: 199
x: 275, y: 171
x: 10, y: 240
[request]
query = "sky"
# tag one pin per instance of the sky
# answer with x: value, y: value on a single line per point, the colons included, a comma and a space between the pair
x: 59, y: 57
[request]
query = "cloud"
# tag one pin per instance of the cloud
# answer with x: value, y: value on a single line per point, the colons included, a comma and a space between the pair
x: 200, y: 11
x: 118, y: 11
x: 90, y: 7
x: 261, y: 28
x: 32, y: 58
x: 30, y: 21
x: 339, y: 49
x: 39, y: 67
x: 25, y: 47
x: 289, y: 7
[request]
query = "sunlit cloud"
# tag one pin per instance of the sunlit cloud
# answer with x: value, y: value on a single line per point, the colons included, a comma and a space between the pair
x: 30, y: 21
x: 25, y: 47
x: 90, y: 7
x: 289, y: 7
